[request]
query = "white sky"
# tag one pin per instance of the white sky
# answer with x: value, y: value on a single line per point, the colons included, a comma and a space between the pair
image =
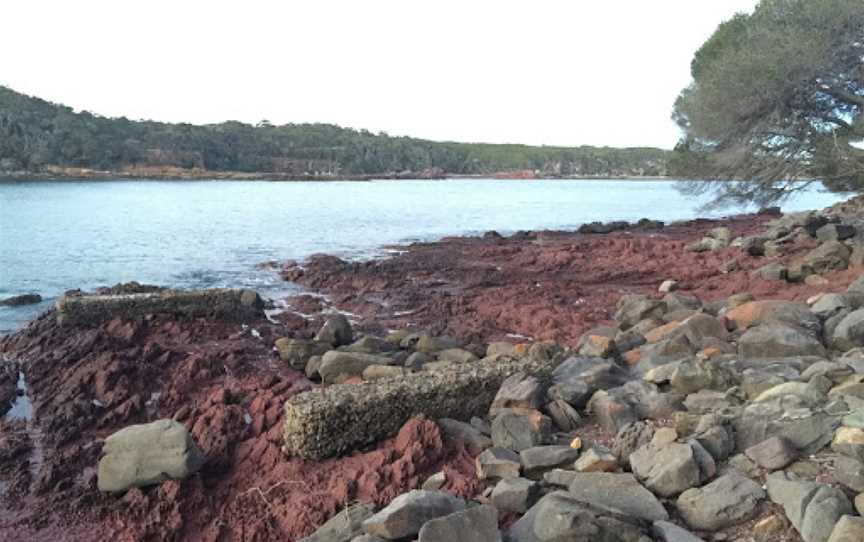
x: 540, y: 72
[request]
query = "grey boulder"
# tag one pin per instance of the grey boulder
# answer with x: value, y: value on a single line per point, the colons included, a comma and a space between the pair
x: 408, y: 512
x: 728, y: 500
x: 476, y: 524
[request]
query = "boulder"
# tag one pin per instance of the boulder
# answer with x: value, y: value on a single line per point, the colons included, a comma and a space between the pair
x: 667, y: 470
x: 297, y: 352
x: 828, y: 256
x: 773, y: 453
x: 336, y: 331
x: 518, y: 391
x: 473, y: 438
x: 147, y: 454
x: 576, y: 379
x: 755, y: 313
x: 807, y: 429
x: 665, y: 531
x: 476, y: 524
x: 344, y: 526
x: 618, y: 493
x: 21, y: 300
x: 560, y: 516
x: 408, y: 512
x: 337, y: 367
x: 498, y: 463
x: 630, y: 438
x: 777, y: 339
x: 634, y: 308
x: 368, y: 344
x: 812, y: 508
x: 429, y: 344
x: 456, y: 355
x: 515, y: 495
x: 849, y: 333
x: 728, y: 500
x: 848, y: 529
x: 540, y: 458
x: 849, y: 472
x: 835, y: 232
x: 519, y: 430
x: 380, y: 372
x: 564, y: 416
x: 611, y: 410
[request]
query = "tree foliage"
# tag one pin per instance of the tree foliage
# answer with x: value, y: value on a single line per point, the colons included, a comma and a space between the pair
x: 776, y: 99
x: 35, y: 134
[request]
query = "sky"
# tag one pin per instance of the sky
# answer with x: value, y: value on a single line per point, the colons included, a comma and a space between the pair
x: 542, y: 72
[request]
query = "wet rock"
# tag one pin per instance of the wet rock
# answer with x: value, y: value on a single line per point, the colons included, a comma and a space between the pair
x: 147, y: 454
x: 773, y: 453
x: 297, y: 352
x: 337, y: 367
x: 812, y: 508
x: 618, y: 493
x: 561, y: 516
x: 473, y: 438
x: 518, y: 391
x: 20, y: 300
x: 476, y: 524
x: 407, y: 513
x: 776, y: 339
x: 498, y: 463
x: 540, y: 458
x: 520, y: 430
x: 342, y: 527
x: 515, y: 494
x: 728, y: 500
x: 336, y: 331
x: 848, y: 529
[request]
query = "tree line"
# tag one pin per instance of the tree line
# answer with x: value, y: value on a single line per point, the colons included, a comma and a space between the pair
x: 36, y: 134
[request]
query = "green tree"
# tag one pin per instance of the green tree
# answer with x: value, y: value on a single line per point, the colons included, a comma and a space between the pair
x: 776, y: 102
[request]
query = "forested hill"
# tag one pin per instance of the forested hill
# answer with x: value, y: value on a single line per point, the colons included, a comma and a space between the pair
x: 37, y: 136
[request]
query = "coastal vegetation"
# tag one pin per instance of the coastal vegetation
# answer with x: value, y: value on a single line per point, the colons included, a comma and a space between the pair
x: 776, y: 98
x: 36, y: 136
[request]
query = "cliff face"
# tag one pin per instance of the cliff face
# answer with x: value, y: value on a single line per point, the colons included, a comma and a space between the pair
x: 38, y: 137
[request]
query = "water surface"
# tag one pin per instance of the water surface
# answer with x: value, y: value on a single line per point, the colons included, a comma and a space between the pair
x: 56, y: 236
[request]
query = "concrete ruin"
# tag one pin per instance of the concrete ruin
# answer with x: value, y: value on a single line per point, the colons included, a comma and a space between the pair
x: 223, y: 304
x: 341, y: 418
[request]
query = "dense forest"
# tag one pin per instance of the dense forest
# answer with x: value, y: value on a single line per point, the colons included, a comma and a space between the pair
x: 39, y: 136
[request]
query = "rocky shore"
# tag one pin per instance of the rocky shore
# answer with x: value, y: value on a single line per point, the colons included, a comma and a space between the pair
x: 628, y: 382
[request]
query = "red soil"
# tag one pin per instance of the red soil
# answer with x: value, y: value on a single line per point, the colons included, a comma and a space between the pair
x: 543, y: 285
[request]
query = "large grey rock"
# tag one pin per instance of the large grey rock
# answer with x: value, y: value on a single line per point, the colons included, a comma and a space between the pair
x: 518, y: 391
x: 634, y: 308
x: 848, y: 529
x: 472, y: 437
x: 829, y: 256
x: 561, y: 517
x: 297, y: 352
x: 611, y: 410
x: 630, y: 438
x: 849, y: 472
x: 336, y: 331
x: 728, y: 500
x: 498, y: 463
x: 476, y: 524
x: 807, y: 429
x: 835, y: 232
x: 576, y: 379
x: 515, y: 494
x: 667, y: 470
x: 518, y: 430
x: 812, y: 508
x: 407, y: 513
x: 665, y: 531
x: 618, y: 493
x: 342, y: 527
x: 849, y: 441
x: 773, y: 453
x: 337, y: 367
x: 777, y: 340
x: 849, y: 333
x: 147, y: 454
x: 539, y: 458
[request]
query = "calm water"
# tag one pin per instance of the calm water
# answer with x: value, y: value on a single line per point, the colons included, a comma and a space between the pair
x: 55, y: 236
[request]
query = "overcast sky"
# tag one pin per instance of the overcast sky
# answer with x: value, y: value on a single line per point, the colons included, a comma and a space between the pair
x: 540, y: 72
